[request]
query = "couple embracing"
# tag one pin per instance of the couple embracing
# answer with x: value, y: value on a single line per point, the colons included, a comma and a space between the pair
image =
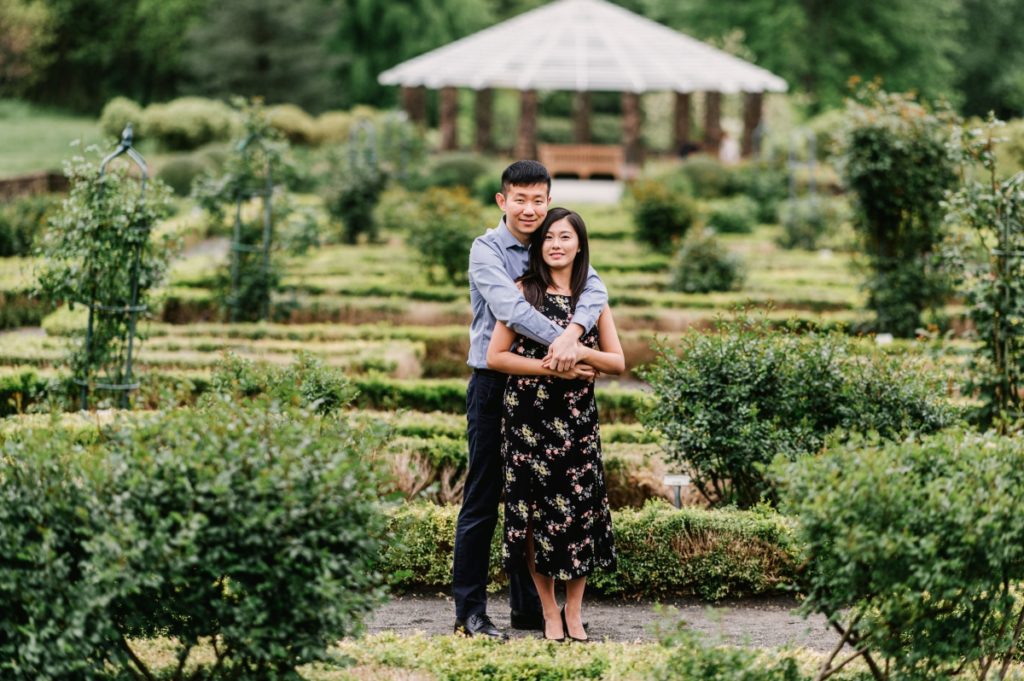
x: 541, y: 332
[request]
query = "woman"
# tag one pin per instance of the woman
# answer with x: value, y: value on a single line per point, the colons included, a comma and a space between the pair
x: 556, y: 508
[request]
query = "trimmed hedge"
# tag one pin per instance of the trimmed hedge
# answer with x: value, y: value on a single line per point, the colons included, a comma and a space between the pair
x: 662, y: 551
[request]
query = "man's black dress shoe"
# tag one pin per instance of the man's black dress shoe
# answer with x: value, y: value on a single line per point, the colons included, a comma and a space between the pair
x: 527, y: 621
x: 479, y: 625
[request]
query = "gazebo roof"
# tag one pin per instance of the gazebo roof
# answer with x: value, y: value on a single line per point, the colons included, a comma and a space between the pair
x: 582, y: 45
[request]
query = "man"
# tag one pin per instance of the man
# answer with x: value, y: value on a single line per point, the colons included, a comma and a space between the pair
x: 498, y: 258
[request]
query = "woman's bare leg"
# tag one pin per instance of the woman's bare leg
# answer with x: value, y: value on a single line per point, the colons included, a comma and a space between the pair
x: 574, y: 607
x: 546, y: 590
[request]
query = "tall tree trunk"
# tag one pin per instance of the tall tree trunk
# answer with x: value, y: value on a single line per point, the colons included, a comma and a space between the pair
x: 581, y: 118
x: 632, y: 117
x: 449, y: 119
x: 526, y: 140
x: 712, y: 122
x: 753, y: 105
x: 682, y: 122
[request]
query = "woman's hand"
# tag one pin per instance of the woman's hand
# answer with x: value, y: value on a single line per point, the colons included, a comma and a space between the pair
x: 579, y: 371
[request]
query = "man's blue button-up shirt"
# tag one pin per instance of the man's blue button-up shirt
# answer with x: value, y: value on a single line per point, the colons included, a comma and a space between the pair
x: 496, y: 260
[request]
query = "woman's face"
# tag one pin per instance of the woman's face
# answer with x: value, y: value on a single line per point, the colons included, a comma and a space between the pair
x: 560, y: 245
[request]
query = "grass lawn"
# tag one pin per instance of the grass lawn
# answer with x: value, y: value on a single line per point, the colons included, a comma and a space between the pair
x: 34, y: 139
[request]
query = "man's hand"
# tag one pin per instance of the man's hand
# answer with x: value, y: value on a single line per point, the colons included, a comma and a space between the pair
x: 565, y: 351
x: 579, y: 371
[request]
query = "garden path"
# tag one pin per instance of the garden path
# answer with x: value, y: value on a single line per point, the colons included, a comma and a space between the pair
x: 567, y: 192
x: 755, y: 622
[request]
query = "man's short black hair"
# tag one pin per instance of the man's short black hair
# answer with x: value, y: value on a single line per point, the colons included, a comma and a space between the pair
x: 523, y: 173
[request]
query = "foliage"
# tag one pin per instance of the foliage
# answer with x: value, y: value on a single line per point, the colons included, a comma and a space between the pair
x: 117, y: 114
x: 229, y: 522
x: 454, y: 170
x: 708, y: 177
x: 989, y: 76
x: 275, y: 49
x: 728, y: 402
x: 442, y: 233
x: 805, y: 221
x: 25, y: 44
x: 374, y: 36
x: 661, y: 215
x: 691, y: 658
x: 306, y: 383
x: 353, y: 191
x: 915, y: 551
x: 662, y: 551
x: 187, y: 123
x: 737, y: 215
x: 703, y: 265
x: 180, y: 172
x: 297, y: 126
x: 23, y: 220
x: 764, y: 184
x: 995, y: 286
x: 257, y: 167
x: 895, y: 159
x: 90, y: 257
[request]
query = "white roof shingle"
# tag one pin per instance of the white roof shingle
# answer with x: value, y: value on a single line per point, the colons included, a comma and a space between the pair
x: 582, y: 45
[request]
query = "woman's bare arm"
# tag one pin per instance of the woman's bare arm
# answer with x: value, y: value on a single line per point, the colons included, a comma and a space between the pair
x: 501, y: 358
x: 609, y: 358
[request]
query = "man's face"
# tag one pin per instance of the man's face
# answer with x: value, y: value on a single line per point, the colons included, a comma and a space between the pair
x: 525, y: 207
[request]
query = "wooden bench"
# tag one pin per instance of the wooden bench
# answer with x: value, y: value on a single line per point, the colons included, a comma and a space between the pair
x: 583, y: 160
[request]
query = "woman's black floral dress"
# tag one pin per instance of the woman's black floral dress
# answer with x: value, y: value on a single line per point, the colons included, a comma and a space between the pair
x: 554, y: 480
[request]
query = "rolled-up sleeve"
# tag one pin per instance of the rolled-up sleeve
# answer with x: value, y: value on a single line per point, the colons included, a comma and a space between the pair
x: 591, y: 302
x: 506, y: 302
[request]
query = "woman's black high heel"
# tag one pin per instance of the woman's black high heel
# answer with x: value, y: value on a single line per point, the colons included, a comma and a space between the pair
x: 565, y: 628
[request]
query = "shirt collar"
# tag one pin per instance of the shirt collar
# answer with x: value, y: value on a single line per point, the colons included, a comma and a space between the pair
x: 505, y: 236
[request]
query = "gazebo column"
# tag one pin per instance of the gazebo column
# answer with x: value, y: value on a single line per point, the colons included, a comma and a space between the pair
x: 712, y: 122
x: 414, y: 101
x: 449, y: 116
x: 484, y: 117
x: 526, y: 140
x: 581, y: 118
x: 631, y: 119
x: 681, y: 130
x: 753, y: 106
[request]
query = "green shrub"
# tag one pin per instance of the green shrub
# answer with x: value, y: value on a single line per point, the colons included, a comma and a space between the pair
x: 228, y: 522
x: 691, y: 659
x: 660, y: 214
x: 486, y: 187
x: 22, y: 220
x: 709, y: 178
x: 351, y: 194
x: 806, y: 220
x: 118, y: 113
x: 662, y: 551
x: 446, y: 223
x: 704, y: 265
x: 188, y: 123
x: 297, y: 126
x: 332, y: 127
x: 729, y: 401
x: 764, y: 184
x: 456, y: 170
x: 181, y: 171
x: 921, y: 539
x: 737, y: 215
x: 897, y: 160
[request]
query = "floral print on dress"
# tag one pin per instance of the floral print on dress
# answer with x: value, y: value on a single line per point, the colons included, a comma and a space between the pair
x: 554, y: 479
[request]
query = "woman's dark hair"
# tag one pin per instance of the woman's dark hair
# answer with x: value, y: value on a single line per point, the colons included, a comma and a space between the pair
x: 537, y: 277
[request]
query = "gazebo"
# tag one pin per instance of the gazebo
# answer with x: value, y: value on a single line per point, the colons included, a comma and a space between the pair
x: 583, y: 46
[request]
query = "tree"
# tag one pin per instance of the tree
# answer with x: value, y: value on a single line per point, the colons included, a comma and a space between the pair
x: 375, y: 36
x: 274, y: 49
x: 991, y: 73
x: 23, y: 44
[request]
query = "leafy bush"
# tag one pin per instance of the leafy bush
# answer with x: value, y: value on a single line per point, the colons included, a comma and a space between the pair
x: 352, y: 194
x: 921, y: 539
x: 22, y: 220
x: 188, y: 122
x: 764, y: 184
x: 704, y: 265
x: 332, y: 127
x: 118, y: 113
x: 737, y: 215
x: 297, y: 126
x: 709, y: 178
x: 661, y: 215
x: 729, y: 401
x: 806, y: 220
x: 228, y: 522
x: 896, y: 159
x: 456, y: 170
x: 691, y: 659
x: 443, y: 232
x: 662, y: 551
x: 180, y: 172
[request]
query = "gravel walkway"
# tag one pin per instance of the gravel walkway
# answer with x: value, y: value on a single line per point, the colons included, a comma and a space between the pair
x: 761, y: 622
